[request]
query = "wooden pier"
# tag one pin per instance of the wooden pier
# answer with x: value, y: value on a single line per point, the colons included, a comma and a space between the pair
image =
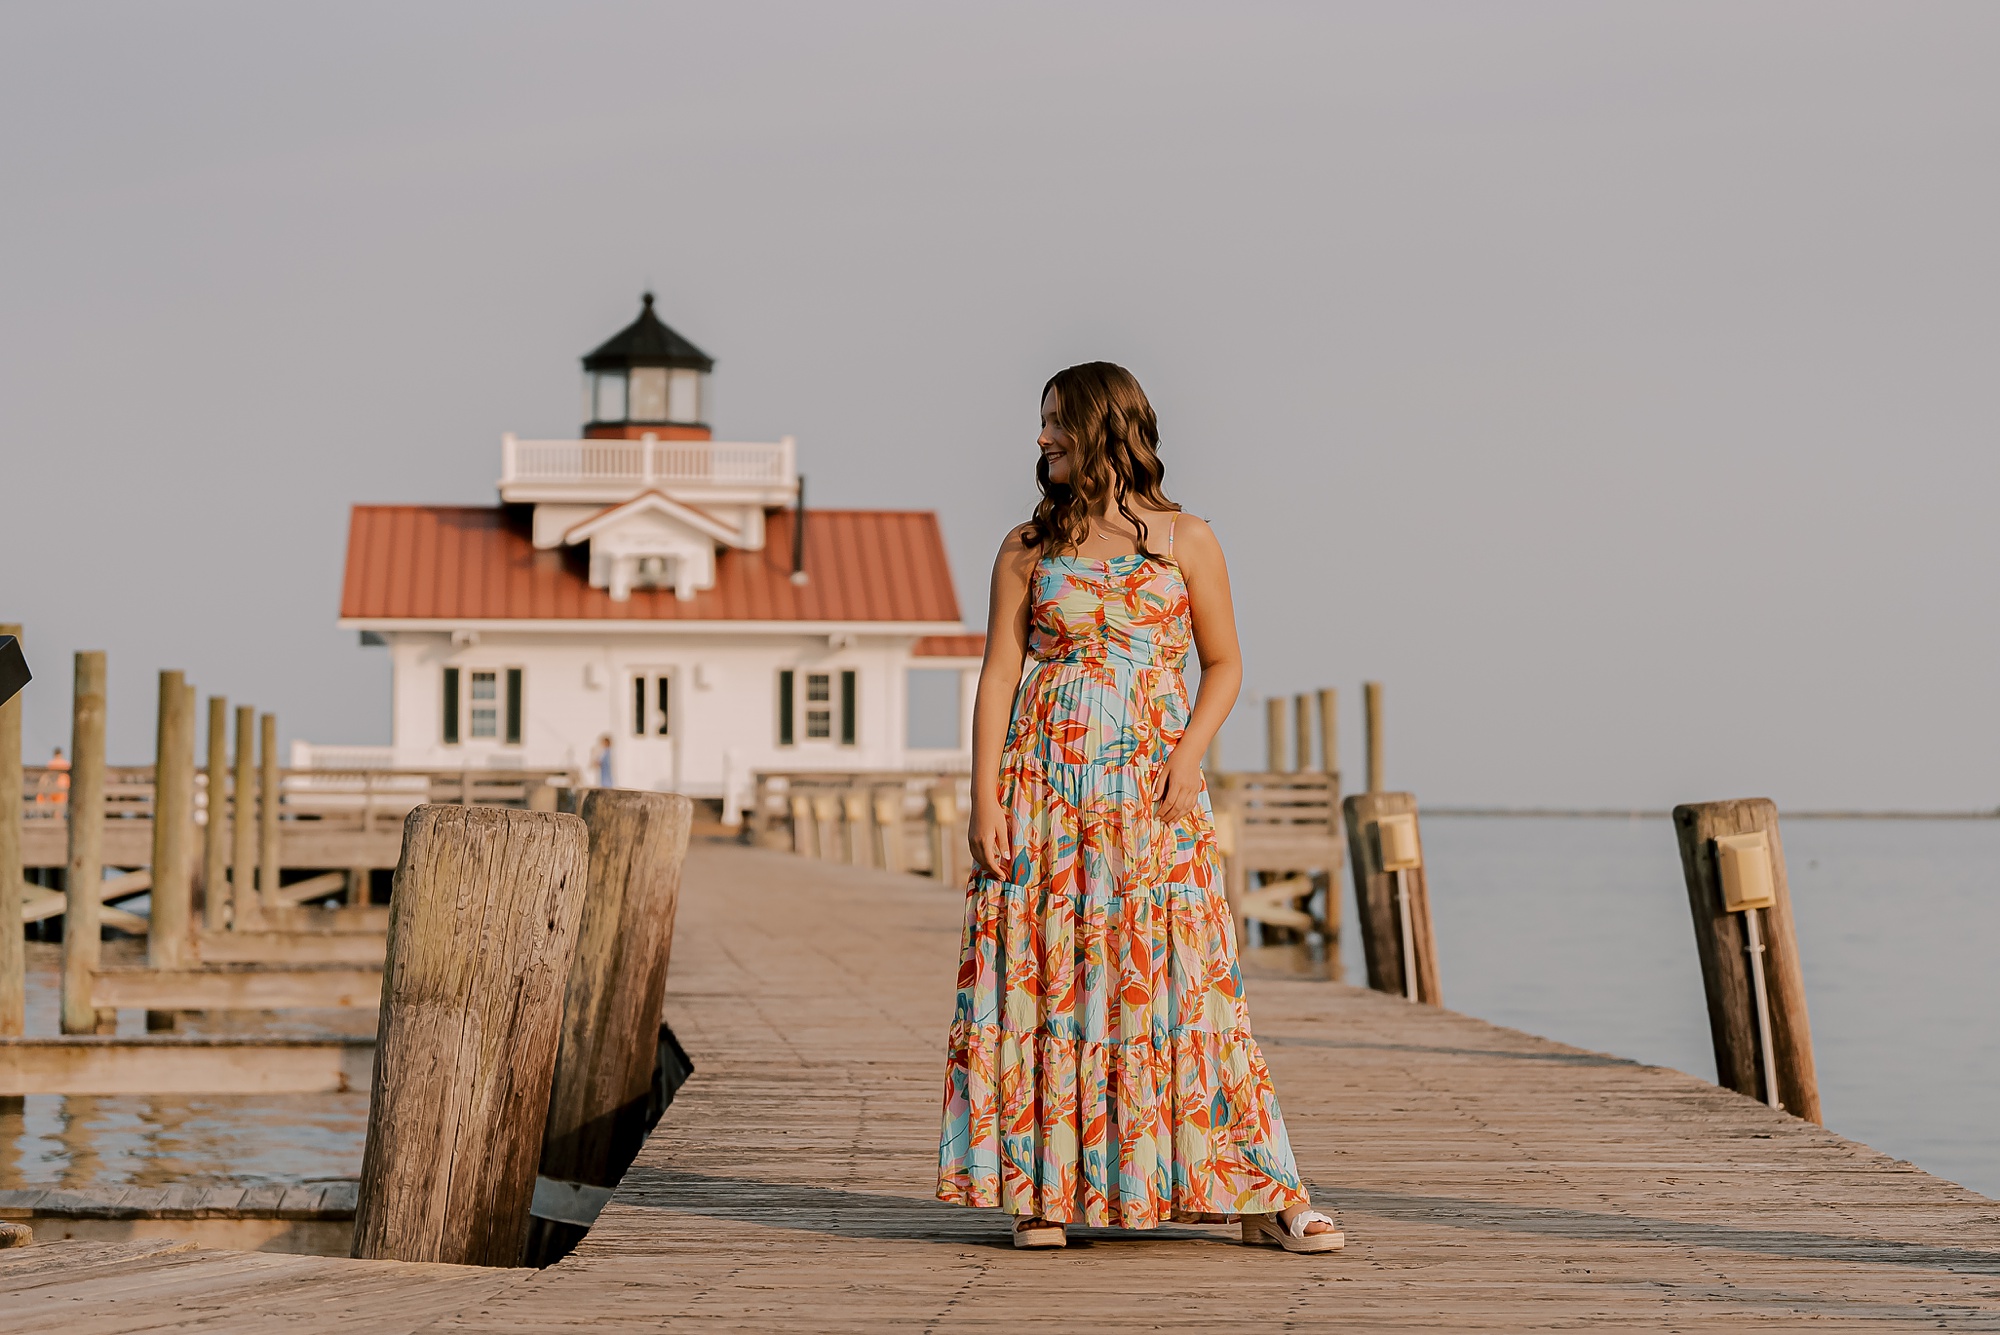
x: 1488, y: 1180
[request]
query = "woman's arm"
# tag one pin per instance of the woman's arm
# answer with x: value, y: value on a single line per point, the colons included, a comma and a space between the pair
x: 1206, y: 574
x: 993, y: 706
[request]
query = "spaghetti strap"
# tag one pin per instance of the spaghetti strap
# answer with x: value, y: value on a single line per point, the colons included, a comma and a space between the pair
x: 1170, y: 534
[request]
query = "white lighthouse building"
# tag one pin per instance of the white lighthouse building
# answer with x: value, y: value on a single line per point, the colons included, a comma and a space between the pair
x: 652, y: 585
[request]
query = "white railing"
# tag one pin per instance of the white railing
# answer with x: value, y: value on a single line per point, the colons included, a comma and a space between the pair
x: 321, y: 755
x: 646, y: 463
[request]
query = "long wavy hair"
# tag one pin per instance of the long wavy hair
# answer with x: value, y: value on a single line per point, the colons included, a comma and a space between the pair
x: 1114, y: 457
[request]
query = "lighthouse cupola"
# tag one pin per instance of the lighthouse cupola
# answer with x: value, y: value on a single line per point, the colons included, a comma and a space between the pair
x: 646, y: 381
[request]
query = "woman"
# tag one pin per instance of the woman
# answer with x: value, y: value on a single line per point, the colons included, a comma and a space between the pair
x: 1101, y: 1067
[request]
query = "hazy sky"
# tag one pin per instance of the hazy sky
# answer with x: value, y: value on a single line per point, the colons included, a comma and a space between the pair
x: 1617, y: 383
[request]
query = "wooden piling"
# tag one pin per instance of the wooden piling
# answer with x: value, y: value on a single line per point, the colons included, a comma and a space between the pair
x: 1375, y: 908
x: 854, y: 814
x: 1329, y: 730
x: 1725, y: 969
x: 889, y: 828
x: 1371, y: 698
x: 215, y: 834
x: 943, y: 826
x: 611, y: 1009
x: 85, y: 875
x: 1302, y: 733
x: 245, y: 911
x: 13, y: 885
x: 168, y: 937
x: 267, y: 813
x: 482, y: 929
x: 1274, y: 735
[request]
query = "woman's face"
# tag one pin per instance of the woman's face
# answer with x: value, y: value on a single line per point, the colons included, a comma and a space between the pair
x: 1054, y: 441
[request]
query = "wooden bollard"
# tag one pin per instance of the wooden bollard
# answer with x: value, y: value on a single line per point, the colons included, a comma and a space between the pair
x: 943, y: 818
x: 889, y: 828
x: 84, y: 880
x: 1274, y: 735
x: 168, y: 938
x: 482, y: 928
x: 1329, y: 730
x: 13, y: 957
x: 1371, y: 700
x: 611, y: 1012
x: 1379, y: 910
x: 1302, y: 733
x: 826, y: 821
x: 243, y: 824
x: 1726, y: 972
x: 215, y: 833
x: 802, y: 825
x: 854, y: 813
x: 268, y: 855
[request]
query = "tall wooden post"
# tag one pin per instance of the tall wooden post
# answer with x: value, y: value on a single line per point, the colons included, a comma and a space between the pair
x: 267, y: 813
x: 1302, y: 733
x: 85, y: 877
x: 482, y: 928
x: 173, y: 824
x: 243, y: 824
x: 215, y: 834
x: 1274, y: 735
x: 13, y: 961
x: 1329, y: 730
x: 1719, y: 938
x: 1371, y: 697
x: 611, y: 1009
x: 1377, y: 912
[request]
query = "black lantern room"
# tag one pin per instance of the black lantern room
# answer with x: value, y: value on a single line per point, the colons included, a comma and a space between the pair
x: 646, y: 380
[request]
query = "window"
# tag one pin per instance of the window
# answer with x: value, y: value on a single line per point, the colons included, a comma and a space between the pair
x: 649, y: 394
x: 934, y: 705
x: 683, y: 396
x: 822, y: 708
x: 819, y: 705
x: 450, y: 714
x: 652, y: 705
x: 610, y: 397
x: 513, y: 706
x: 485, y: 705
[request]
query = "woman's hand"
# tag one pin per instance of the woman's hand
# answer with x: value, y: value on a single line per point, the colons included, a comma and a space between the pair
x: 986, y: 835
x: 1177, y: 785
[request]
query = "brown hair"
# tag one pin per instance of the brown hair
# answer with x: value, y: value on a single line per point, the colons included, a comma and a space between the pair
x: 1114, y: 443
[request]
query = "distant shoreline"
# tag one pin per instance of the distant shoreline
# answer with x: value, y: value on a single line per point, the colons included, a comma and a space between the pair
x: 1606, y: 813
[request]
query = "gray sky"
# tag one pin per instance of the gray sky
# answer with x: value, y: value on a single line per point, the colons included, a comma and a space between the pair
x: 1615, y: 383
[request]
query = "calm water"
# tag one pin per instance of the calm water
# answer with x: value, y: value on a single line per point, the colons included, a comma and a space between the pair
x: 1579, y: 929
x: 1573, y: 928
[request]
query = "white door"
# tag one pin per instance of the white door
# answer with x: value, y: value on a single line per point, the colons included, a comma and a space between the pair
x: 651, y: 744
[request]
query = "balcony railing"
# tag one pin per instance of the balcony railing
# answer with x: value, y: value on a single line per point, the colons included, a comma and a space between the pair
x: 648, y: 463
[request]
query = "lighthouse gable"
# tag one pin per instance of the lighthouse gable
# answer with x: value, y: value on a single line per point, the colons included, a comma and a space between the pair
x: 654, y: 541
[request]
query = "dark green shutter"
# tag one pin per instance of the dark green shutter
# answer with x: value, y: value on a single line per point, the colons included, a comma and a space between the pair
x: 847, y: 708
x: 785, y: 707
x: 513, y: 706
x: 639, y: 706
x: 451, y: 706
x: 666, y: 708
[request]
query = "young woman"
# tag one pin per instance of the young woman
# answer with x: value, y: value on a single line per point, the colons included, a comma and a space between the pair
x: 1101, y: 1068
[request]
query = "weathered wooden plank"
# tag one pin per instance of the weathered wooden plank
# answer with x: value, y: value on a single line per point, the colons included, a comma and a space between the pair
x: 238, y: 987
x: 176, y: 1064
x: 288, y: 947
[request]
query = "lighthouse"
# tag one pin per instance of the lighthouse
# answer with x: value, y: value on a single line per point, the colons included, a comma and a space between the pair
x: 636, y: 583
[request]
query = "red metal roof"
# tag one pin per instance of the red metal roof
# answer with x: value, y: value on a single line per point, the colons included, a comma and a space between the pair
x: 477, y: 563
x: 949, y: 646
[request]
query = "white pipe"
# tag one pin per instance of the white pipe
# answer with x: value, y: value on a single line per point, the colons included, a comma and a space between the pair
x: 1754, y: 947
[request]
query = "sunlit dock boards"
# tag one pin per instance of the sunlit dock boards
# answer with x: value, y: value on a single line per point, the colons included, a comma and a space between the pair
x: 1489, y: 1180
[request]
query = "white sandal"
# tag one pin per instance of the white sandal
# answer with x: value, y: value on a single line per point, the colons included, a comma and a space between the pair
x: 1264, y: 1230
x: 1039, y: 1233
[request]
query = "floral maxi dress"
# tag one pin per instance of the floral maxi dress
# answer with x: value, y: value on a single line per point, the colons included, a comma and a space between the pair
x: 1101, y: 1068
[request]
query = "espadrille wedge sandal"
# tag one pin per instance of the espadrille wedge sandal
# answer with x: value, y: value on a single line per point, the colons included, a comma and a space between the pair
x: 1039, y: 1233
x: 1264, y: 1230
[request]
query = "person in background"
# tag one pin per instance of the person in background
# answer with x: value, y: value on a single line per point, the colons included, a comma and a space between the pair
x: 52, y: 790
x: 600, y: 762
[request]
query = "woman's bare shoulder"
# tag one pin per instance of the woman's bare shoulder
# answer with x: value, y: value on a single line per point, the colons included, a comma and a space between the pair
x: 1193, y: 532
x: 1017, y: 555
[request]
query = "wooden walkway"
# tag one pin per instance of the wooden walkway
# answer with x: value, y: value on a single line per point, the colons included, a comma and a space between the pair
x: 1488, y: 1180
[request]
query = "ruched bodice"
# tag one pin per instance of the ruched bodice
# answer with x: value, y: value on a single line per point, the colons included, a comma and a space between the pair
x: 1128, y: 607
